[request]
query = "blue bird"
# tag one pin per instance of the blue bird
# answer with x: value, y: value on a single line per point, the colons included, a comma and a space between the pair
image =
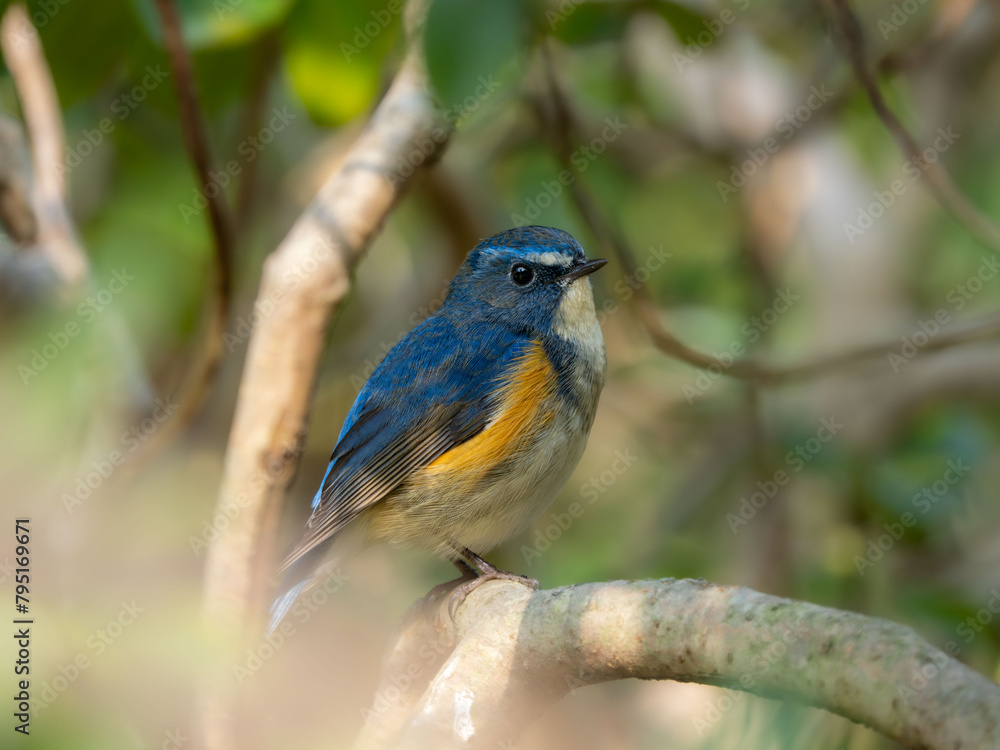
x: 472, y: 423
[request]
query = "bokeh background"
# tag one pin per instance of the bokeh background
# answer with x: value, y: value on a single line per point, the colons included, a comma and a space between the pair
x: 770, y: 213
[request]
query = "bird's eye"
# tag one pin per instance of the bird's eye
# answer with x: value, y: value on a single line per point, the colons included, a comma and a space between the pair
x: 522, y: 274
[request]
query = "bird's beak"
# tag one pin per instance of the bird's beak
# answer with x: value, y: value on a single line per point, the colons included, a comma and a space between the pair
x: 584, y: 269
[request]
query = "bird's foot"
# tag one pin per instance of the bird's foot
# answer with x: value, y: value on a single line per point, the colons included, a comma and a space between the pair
x: 488, y: 572
x: 435, y: 594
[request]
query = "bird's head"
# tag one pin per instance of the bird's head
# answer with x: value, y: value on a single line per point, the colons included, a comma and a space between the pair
x: 530, y: 275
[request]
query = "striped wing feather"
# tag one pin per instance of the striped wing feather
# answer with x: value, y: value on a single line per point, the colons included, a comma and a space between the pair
x: 356, y: 487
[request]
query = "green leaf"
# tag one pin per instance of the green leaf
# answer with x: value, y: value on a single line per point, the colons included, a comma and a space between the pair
x: 215, y: 23
x: 587, y: 23
x: 334, y: 52
x: 469, y: 41
x: 685, y: 22
x: 76, y: 42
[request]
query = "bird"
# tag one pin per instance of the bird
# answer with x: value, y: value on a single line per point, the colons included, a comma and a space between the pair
x: 473, y: 421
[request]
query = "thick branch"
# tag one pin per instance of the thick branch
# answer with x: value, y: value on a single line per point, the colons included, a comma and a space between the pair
x: 518, y: 651
x: 303, y: 283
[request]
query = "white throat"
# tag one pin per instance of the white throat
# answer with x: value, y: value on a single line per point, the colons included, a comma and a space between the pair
x: 576, y: 322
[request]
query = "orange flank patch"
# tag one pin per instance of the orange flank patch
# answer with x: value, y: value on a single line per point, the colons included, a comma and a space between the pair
x: 530, y: 382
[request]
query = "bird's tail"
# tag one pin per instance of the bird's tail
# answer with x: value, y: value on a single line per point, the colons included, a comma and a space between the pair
x: 300, y: 576
x: 312, y: 569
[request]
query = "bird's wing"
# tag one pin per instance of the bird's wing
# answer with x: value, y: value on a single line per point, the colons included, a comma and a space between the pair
x: 434, y: 390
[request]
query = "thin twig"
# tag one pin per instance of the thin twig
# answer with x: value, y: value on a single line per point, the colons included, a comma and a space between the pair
x: 195, y: 134
x: 561, y: 137
x: 56, y: 236
x: 22, y: 51
x: 987, y: 327
x: 204, y: 365
x: 949, y: 196
x: 17, y: 214
x: 250, y: 119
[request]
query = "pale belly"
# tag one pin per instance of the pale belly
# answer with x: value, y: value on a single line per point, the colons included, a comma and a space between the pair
x: 440, y: 511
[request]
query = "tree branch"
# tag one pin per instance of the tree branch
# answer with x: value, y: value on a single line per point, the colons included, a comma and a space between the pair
x: 23, y: 54
x: 46, y: 222
x: 304, y: 281
x: 16, y: 212
x: 943, y: 187
x: 511, y: 652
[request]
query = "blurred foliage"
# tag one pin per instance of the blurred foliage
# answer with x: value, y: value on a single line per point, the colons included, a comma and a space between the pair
x: 464, y: 37
x: 351, y: 55
x: 695, y: 89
